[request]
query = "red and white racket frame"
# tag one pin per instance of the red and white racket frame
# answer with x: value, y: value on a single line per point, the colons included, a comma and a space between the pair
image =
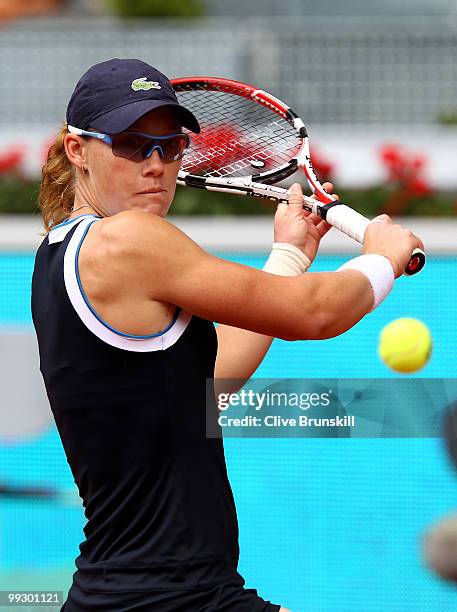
x: 261, y: 185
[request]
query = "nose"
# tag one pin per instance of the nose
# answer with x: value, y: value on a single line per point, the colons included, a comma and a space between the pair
x: 153, y: 164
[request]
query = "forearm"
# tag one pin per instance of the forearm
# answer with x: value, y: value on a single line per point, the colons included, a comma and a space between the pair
x: 242, y: 352
x: 341, y: 304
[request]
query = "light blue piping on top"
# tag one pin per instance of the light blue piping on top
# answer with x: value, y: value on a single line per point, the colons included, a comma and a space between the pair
x: 71, y: 221
x: 116, y: 331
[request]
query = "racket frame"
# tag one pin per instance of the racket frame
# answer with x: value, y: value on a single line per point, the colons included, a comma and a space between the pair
x: 263, y: 185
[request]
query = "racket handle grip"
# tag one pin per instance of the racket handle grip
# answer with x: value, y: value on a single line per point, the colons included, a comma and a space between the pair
x: 353, y: 224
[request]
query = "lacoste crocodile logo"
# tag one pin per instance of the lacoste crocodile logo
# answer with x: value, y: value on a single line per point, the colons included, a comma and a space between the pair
x: 143, y: 84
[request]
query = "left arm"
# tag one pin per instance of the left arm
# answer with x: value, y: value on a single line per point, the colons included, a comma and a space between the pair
x: 240, y: 351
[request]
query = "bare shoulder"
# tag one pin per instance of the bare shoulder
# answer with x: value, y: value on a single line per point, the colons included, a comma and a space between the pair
x: 113, y: 255
x: 141, y: 240
x: 132, y: 250
x: 132, y: 230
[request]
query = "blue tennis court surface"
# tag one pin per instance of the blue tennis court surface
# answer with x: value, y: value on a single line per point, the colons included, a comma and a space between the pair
x: 325, y: 525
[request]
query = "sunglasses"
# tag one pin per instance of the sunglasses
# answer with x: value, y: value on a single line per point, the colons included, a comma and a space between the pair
x: 137, y: 146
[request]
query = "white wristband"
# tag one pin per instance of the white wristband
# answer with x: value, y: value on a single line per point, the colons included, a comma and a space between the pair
x: 286, y: 260
x: 379, y: 272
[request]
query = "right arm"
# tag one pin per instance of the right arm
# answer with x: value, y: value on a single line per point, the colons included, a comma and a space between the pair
x: 147, y: 251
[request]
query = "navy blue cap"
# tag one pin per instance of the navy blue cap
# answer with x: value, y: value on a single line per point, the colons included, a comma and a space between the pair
x: 112, y: 95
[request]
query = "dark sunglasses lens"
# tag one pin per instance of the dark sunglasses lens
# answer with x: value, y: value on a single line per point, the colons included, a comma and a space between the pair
x: 173, y: 148
x: 137, y: 147
x: 129, y: 146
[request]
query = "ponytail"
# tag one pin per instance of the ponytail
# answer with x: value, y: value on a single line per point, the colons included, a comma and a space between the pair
x: 57, y: 189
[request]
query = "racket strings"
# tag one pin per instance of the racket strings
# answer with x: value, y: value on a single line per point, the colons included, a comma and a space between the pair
x: 238, y: 137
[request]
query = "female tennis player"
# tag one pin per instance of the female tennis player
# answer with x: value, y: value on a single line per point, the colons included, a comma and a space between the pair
x: 123, y: 305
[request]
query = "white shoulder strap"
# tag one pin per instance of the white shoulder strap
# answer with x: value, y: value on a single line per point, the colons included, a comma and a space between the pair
x: 154, y: 342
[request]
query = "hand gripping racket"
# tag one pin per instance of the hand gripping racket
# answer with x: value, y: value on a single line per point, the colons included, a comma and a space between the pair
x: 249, y: 141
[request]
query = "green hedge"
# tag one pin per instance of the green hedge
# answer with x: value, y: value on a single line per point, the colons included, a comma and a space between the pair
x: 157, y: 8
x: 18, y: 196
x: 21, y: 197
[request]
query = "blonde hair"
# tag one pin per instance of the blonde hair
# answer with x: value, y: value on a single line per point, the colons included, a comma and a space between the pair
x: 57, y: 189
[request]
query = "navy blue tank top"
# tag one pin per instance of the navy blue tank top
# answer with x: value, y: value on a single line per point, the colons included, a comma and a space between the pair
x: 131, y: 414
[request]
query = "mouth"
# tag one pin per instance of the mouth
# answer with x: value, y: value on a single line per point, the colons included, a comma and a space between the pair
x: 151, y: 191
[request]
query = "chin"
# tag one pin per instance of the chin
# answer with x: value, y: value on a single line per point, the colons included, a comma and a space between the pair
x: 153, y: 205
x: 154, y: 209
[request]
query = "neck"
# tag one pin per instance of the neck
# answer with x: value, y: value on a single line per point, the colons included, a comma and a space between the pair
x: 84, y: 209
x: 83, y: 202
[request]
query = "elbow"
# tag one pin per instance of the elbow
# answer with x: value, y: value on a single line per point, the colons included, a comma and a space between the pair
x: 311, y: 315
x: 328, y: 312
x: 317, y: 326
x: 329, y: 325
x: 322, y: 326
x: 319, y: 313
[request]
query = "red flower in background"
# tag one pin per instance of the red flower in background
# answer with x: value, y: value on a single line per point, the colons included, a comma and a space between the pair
x: 11, y: 159
x: 406, y: 175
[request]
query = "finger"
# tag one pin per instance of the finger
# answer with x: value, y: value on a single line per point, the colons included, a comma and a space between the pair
x: 316, y: 219
x: 282, y: 207
x: 323, y: 228
x: 296, y: 197
x: 381, y: 219
x: 328, y: 187
x: 417, y: 240
x: 420, y: 244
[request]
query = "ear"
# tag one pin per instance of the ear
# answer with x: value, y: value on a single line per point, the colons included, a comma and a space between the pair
x: 75, y: 149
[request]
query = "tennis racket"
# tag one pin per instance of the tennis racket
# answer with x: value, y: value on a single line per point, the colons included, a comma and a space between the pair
x: 249, y: 141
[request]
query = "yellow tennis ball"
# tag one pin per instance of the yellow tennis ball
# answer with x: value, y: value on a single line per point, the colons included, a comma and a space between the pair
x: 405, y: 345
